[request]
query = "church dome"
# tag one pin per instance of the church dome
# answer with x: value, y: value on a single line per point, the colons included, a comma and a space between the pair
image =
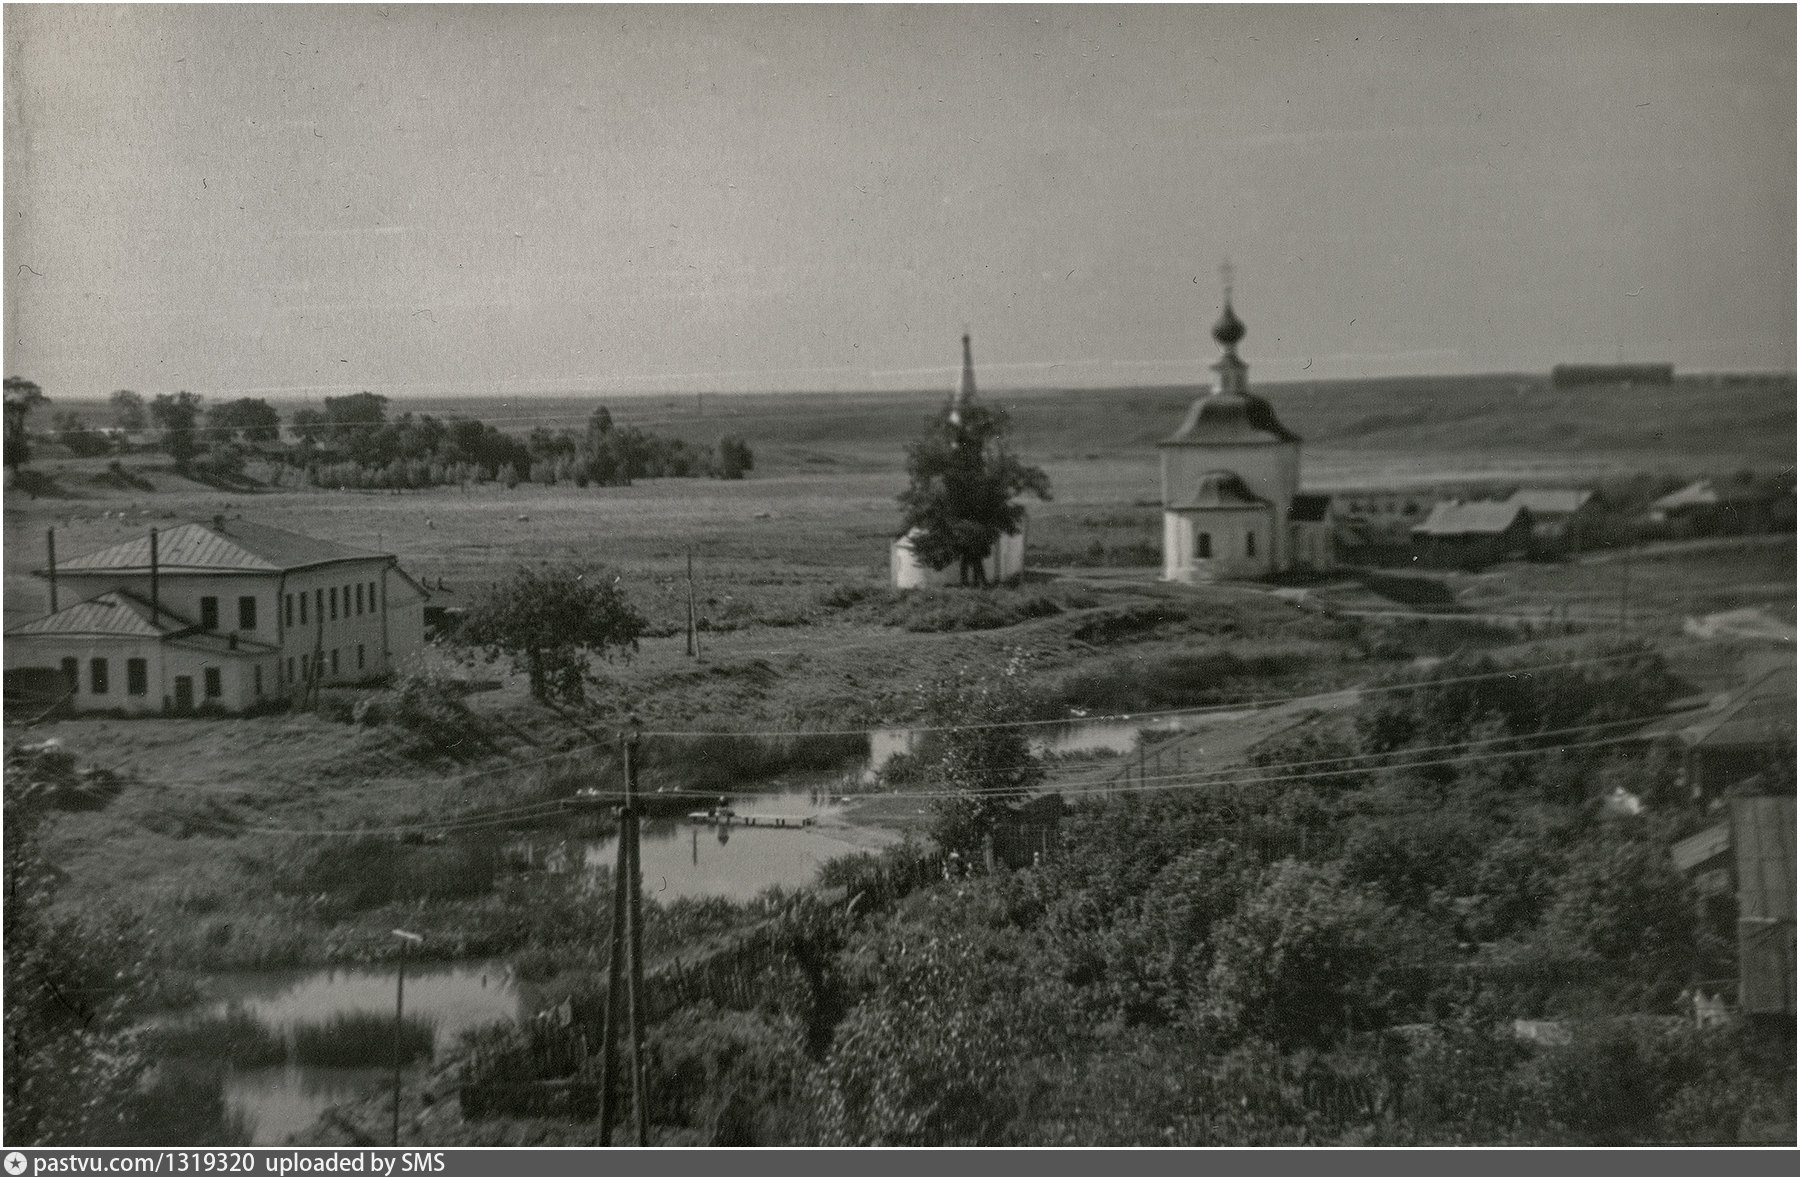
x: 1229, y: 330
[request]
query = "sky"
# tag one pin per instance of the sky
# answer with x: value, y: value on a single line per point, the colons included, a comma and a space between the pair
x: 301, y: 201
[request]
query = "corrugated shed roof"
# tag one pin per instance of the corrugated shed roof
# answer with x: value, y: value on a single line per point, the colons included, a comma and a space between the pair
x: 117, y: 614
x: 1551, y: 501
x: 1762, y: 831
x: 1231, y: 418
x: 1701, y: 847
x: 1482, y: 518
x: 236, y: 545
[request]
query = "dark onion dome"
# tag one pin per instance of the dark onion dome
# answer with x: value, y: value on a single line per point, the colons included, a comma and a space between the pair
x: 1232, y: 418
x: 1230, y: 329
x: 1222, y: 489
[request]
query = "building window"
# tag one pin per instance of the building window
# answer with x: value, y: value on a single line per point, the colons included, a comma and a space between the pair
x: 209, y: 612
x: 319, y: 604
x: 359, y: 657
x: 1203, y: 545
x: 334, y: 665
x: 215, y: 687
x: 246, y: 612
x: 258, y: 676
x: 1250, y: 543
x: 290, y: 609
x: 97, y: 676
x: 302, y: 608
x: 137, y: 676
x: 371, y: 595
x: 290, y: 670
x: 359, y: 589
x: 71, y: 668
x: 334, y: 602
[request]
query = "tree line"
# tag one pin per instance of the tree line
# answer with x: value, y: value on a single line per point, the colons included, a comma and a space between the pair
x: 352, y: 443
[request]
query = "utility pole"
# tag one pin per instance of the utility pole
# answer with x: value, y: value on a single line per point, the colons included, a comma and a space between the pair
x: 50, y: 541
x: 406, y: 939
x: 627, y: 941
x: 693, y: 623
x: 1625, y: 590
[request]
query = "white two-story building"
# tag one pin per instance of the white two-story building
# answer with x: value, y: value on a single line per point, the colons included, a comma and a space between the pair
x: 221, y: 615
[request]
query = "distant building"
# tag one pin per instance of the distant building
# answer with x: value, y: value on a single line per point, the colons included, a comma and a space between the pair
x: 1004, y: 561
x: 1230, y: 478
x: 1706, y: 507
x: 1472, y: 535
x: 1749, y: 858
x: 1557, y: 516
x: 221, y: 615
x: 1579, y: 375
x: 1743, y: 733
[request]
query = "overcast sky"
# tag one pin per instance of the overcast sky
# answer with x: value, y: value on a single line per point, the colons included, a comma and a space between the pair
x: 303, y: 201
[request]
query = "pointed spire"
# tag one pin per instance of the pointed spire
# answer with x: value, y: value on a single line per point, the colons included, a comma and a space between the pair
x: 965, y: 387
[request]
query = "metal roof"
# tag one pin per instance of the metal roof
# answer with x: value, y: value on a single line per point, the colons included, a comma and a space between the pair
x: 1549, y: 501
x: 1482, y: 518
x: 1231, y: 418
x: 233, y: 545
x: 1759, y: 715
x: 1762, y: 833
x: 118, y: 614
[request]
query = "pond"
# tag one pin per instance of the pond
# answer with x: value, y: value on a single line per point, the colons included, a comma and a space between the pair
x: 281, y: 1100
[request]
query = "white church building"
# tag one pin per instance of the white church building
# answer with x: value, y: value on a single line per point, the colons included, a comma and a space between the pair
x: 1232, y: 505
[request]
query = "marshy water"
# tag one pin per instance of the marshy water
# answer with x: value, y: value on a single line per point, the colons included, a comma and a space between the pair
x: 681, y: 859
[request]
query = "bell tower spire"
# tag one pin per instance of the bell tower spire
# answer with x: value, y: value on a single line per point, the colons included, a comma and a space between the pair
x: 965, y: 386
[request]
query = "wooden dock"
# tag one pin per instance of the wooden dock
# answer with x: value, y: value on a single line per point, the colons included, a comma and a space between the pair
x: 778, y: 821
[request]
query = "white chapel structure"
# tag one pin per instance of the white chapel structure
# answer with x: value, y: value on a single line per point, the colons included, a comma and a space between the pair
x: 1232, y: 505
x: 1005, y: 560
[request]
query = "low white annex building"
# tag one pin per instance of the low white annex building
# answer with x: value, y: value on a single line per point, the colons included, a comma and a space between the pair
x: 221, y: 615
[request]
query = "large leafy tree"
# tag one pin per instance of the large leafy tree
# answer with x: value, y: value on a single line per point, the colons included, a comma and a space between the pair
x: 964, y: 481
x: 178, y: 417
x: 22, y: 396
x: 550, y: 622
x: 128, y: 410
x: 247, y: 419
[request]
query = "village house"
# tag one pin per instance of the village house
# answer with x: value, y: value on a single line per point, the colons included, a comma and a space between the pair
x: 1744, y: 733
x: 1557, y: 517
x: 220, y: 615
x: 1708, y: 507
x: 1231, y: 481
x: 1472, y: 535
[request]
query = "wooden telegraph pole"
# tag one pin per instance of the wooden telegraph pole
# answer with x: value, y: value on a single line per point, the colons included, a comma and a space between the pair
x: 406, y: 939
x: 693, y: 617
x: 627, y: 942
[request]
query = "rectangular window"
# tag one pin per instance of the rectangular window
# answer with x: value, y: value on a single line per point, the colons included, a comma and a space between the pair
x: 1203, y: 545
x: 359, y: 589
x: 334, y: 602
x: 346, y: 601
x: 334, y: 666
x: 319, y: 604
x: 290, y: 609
x: 302, y: 608
x: 97, y: 676
x: 371, y: 596
x: 215, y: 686
x: 71, y: 668
x: 209, y: 612
x: 359, y: 657
x: 258, y: 677
x: 1249, y: 543
x: 137, y: 676
x: 246, y: 612
x: 290, y: 670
